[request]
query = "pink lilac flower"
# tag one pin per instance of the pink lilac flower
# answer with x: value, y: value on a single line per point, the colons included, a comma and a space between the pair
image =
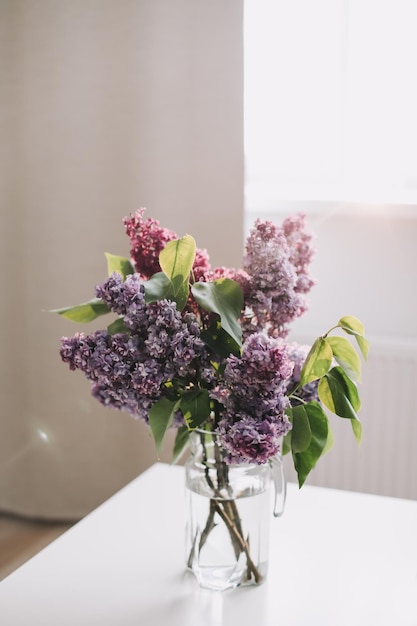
x: 148, y: 239
x: 201, y: 264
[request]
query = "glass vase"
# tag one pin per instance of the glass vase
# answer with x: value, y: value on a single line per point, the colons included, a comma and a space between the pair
x: 229, y: 508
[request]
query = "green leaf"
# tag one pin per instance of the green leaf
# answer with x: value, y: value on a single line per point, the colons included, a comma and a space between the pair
x: 301, y: 431
x: 318, y: 361
x: 306, y: 460
x: 286, y: 444
x: 117, y: 327
x: 85, y: 312
x: 346, y: 356
x: 195, y: 407
x: 219, y: 341
x: 339, y: 394
x: 357, y: 429
x: 161, y: 416
x: 181, y: 442
x: 176, y: 261
x: 353, y: 326
x: 181, y: 296
x: 329, y: 442
x: 158, y: 287
x: 119, y: 264
x: 223, y: 296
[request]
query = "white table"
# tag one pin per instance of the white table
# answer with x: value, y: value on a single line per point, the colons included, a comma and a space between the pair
x: 337, y: 558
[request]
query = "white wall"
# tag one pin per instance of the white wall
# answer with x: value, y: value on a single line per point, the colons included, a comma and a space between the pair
x: 107, y: 105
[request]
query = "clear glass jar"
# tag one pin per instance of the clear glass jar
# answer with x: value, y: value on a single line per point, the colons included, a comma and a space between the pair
x: 228, y: 514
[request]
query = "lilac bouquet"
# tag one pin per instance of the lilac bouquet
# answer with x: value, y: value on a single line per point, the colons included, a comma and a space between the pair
x: 195, y: 347
x: 205, y: 351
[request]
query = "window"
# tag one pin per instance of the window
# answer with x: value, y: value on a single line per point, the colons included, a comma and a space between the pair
x: 330, y: 103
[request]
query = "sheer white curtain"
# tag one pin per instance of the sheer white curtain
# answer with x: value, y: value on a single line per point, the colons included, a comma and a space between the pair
x: 107, y: 105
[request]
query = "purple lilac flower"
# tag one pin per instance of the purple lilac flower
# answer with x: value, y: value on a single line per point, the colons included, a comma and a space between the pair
x: 130, y: 370
x: 248, y: 440
x: 260, y: 373
x: 125, y: 298
x: 301, y: 250
x: 253, y: 397
x: 117, y: 368
x: 277, y: 261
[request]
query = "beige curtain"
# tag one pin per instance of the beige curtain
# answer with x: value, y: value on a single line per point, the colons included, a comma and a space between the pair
x: 106, y: 105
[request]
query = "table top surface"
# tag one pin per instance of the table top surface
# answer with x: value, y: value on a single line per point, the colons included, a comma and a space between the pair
x: 336, y: 558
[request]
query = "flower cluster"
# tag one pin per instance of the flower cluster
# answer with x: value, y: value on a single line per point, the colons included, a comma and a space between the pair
x: 160, y: 349
x: 131, y: 370
x: 148, y: 239
x: 277, y: 261
x: 253, y: 395
x: 209, y: 350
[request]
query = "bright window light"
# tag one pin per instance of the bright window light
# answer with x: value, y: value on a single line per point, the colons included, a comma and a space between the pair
x: 330, y: 101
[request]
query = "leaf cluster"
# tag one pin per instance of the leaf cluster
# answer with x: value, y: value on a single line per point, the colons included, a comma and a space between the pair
x: 336, y: 366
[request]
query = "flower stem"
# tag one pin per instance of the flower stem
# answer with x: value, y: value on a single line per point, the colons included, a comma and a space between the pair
x: 242, y: 543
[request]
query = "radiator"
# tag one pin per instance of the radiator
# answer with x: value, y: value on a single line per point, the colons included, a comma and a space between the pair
x: 385, y: 462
